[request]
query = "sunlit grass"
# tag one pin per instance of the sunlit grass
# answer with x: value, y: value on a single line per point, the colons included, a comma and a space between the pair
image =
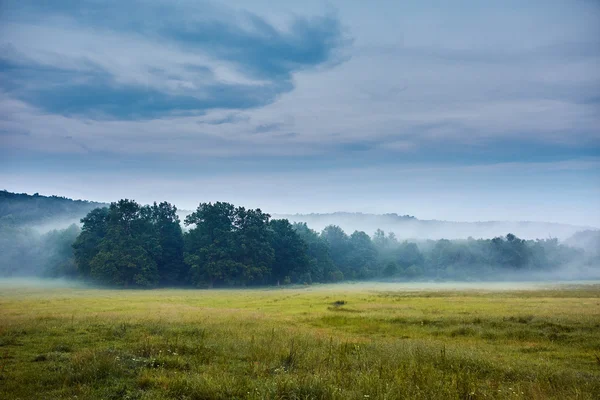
x: 332, y: 342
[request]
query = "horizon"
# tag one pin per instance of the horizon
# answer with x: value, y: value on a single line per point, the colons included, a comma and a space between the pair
x: 333, y: 213
x: 446, y: 111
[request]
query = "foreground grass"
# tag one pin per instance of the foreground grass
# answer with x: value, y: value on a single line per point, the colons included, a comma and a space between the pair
x: 330, y: 342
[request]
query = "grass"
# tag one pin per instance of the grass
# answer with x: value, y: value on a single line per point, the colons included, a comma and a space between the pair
x: 322, y: 342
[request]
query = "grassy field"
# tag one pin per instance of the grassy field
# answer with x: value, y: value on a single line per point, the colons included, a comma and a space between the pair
x: 330, y: 342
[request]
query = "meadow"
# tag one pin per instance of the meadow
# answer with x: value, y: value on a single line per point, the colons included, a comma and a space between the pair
x: 352, y: 341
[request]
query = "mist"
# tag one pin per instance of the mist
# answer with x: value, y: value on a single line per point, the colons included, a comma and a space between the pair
x: 578, y: 271
x: 45, y: 284
x: 42, y: 283
x: 409, y: 227
x: 56, y: 224
x: 38, y: 250
x: 449, y: 286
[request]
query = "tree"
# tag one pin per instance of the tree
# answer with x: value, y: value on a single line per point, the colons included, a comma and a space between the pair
x: 119, y: 246
x: 58, y: 247
x: 512, y: 252
x: 408, y: 253
x: 390, y: 269
x: 362, y: 257
x: 229, y: 245
x: 339, y: 246
x: 87, y: 244
x: 254, y: 252
x: 291, y: 259
x: 321, y: 266
x: 123, y: 261
x: 210, y: 245
x: 391, y: 239
x: 385, y: 247
x: 170, y: 262
x: 380, y: 241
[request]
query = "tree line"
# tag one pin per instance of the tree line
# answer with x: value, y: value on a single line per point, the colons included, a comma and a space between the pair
x: 131, y: 245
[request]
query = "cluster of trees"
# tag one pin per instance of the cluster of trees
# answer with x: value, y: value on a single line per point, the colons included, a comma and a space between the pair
x: 130, y: 245
x: 474, y: 258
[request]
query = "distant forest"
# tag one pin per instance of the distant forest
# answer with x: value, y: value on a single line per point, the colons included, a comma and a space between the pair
x: 130, y: 245
x: 18, y: 209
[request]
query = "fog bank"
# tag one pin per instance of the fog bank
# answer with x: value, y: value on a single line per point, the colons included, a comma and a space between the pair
x: 408, y: 227
x: 492, y: 286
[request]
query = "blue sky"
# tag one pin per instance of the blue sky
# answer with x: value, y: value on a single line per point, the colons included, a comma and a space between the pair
x: 463, y: 110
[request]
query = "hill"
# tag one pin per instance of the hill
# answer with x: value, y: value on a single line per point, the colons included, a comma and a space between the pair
x: 409, y: 227
x: 19, y: 209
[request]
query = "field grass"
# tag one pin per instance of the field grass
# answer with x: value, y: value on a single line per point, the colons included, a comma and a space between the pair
x: 322, y: 342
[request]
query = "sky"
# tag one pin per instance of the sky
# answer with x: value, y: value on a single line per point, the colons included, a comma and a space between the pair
x: 462, y: 110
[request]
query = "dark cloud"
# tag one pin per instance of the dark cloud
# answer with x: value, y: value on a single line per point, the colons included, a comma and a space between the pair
x: 228, y: 119
x: 264, y: 128
x: 260, y: 49
x: 262, y: 56
x: 98, y: 96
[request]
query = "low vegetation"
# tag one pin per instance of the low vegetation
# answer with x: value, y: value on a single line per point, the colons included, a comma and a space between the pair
x: 320, y: 342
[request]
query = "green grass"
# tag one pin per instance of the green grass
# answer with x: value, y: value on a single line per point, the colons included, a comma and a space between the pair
x: 329, y: 342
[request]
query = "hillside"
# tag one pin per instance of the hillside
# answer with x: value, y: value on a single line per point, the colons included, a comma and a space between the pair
x: 18, y: 209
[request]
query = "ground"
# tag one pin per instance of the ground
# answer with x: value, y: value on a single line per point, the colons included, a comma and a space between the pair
x: 361, y: 341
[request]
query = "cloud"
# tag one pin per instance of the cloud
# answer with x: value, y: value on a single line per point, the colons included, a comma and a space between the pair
x: 159, y: 60
x: 463, y: 110
x: 259, y: 48
x: 264, y: 128
x: 193, y: 78
x: 97, y: 94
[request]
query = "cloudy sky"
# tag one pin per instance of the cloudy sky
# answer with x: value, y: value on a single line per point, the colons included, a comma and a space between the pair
x: 461, y: 110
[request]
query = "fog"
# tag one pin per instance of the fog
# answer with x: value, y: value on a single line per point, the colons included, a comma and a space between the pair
x: 408, y: 227
x: 42, y: 250
x: 55, y: 224
x: 41, y: 283
x: 491, y: 286
x: 579, y: 271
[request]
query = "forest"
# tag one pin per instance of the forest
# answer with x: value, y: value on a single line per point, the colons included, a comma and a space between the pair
x: 19, y: 209
x: 130, y: 245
